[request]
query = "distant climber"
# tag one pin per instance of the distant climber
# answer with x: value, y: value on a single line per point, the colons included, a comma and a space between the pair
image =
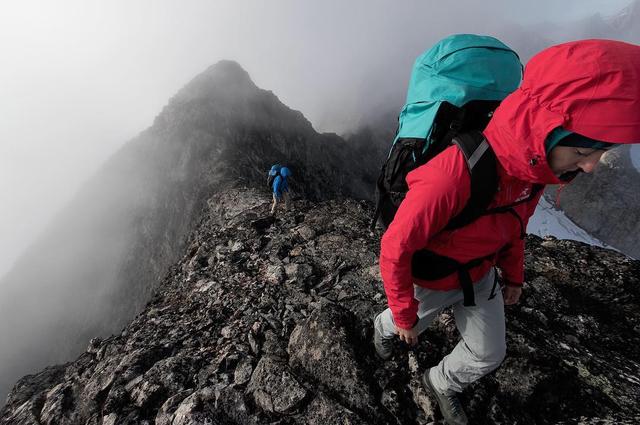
x: 576, y: 100
x: 280, y: 187
x: 272, y: 174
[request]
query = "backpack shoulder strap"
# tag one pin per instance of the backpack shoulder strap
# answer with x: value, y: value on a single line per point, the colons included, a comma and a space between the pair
x: 481, y: 162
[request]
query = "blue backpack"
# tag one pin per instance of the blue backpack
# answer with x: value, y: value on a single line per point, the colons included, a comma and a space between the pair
x: 455, y: 86
x: 273, y: 173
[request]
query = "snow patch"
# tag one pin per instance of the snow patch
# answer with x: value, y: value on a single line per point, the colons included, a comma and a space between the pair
x: 548, y: 221
x: 635, y: 156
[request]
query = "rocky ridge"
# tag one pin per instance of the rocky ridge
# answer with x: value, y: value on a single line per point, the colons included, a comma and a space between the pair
x: 102, y: 256
x: 269, y: 320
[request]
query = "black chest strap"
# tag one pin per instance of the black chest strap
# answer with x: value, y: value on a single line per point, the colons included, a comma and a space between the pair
x: 427, y: 265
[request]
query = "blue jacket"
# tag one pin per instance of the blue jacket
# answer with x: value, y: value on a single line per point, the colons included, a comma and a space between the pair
x: 280, y: 184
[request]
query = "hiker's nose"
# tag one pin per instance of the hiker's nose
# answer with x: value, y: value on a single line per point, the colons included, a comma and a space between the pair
x: 587, y: 165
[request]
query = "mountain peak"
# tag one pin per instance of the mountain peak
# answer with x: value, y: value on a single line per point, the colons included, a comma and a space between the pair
x: 226, y: 90
x: 225, y: 77
x: 228, y: 71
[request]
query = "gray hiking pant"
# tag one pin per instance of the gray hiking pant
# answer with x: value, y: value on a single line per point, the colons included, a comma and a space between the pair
x: 283, y: 199
x: 482, y: 327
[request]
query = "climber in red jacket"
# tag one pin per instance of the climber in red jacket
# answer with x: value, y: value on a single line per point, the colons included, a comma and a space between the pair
x: 576, y: 100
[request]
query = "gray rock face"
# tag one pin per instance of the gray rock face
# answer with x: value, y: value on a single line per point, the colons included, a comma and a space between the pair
x: 322, y: 410
x: 100, y: 260
x: 220, y: 343
x: 320, y: 348
x: 607, y: 203
x: 274, y: 388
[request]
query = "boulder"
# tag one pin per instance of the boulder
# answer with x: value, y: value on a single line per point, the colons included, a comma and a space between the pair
x: 274, y: 388
x: 321, y: 348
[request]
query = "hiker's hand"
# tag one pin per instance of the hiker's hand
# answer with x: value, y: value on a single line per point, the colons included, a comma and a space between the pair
x: 410, y: 336
x: 511, y: 294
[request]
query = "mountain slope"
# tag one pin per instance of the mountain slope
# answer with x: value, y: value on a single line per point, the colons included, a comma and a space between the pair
x: 548, y: 221
x: 607, y: 203
x: 267, y: 320
x: 101, y: 257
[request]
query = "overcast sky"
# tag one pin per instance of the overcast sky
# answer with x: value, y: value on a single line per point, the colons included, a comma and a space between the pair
x: 78, y: 78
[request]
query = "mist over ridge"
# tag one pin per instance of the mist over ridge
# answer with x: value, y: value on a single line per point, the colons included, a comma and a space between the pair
x: 103, y: 255
x: 82, y: 77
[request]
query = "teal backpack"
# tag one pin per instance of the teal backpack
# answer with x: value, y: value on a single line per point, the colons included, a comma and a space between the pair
x: 455, y: 86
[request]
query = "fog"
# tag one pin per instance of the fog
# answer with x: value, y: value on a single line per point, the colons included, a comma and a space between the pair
x: 80, y: 78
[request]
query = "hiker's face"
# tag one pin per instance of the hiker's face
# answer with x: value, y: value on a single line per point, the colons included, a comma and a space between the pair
x: 567, y: 161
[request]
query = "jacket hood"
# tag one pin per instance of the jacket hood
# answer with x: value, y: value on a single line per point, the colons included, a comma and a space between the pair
x: 589, y: 87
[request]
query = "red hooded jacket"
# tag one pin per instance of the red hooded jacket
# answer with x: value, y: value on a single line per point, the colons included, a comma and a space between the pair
x: 590, y: 87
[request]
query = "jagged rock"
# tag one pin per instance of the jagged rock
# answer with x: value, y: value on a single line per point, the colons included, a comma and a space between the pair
x: 306, y: 232
x: 219, y: 132
x: 243, y: 371
x: 255, y: 352
x: 195, y: 409
x: 94, y: 346
x: 231, y: 401
x: 27, y: 413
x: 422, y: 399
x: 110, y: 419
x: 227, y: 331
x: 237, y: 246
x: 168, y: 408
x: 274, y: 388
x: 204, y: 285
x: 321, y: 348
x: 145, y: 393
x: 322, y: 410
x: 298, y: 272
x: 253, y: 343
x: 263, y: 223
x: 275, y: 274
x: 56, y: 405
x: 116, y: 400
x: 28, y: 394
